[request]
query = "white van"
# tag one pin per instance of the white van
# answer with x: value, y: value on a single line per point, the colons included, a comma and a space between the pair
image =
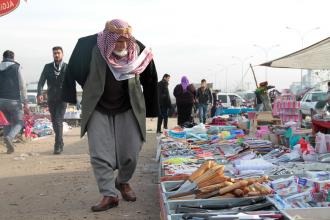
x: 230, y: 99
x: 32, y: 99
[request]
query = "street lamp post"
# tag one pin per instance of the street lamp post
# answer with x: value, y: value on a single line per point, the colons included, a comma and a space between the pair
x: 302, y: 35
x: 225, y: 68
x: 242, y: 61
x: 266, y: 50
x: 209, y: 78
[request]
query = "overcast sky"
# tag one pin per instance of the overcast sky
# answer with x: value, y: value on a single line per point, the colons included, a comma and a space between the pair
x: 193, y: 38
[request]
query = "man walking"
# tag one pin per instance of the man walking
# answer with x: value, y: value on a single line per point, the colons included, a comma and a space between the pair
x: 54, y: 73
x: 111, y: 66
x: 164, y: 102
x: 12, y: 95
x: 204, y: 98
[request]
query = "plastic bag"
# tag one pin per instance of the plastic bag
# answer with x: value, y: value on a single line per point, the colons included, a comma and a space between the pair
x: 199, y: 129
x: 320, y: 143
x: 310, y: 157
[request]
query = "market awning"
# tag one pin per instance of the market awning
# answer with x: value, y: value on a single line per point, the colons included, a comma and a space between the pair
x: 316, y: 56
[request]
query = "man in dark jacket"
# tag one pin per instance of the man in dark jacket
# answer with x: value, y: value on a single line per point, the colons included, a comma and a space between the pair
x: 12, y: 95
x: 164, y: 102
x: 111, y: 67
x: 54, y: 73
x: 203, y: 98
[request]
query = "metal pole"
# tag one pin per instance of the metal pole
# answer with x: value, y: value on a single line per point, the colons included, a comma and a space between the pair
x: 301, y: 71
x: 242, y: 63
x: 215, y: 80
x: 266, y: 68
x: 226, y: 80
x: 242, y: 75
x: 254, y: 75
x: 266, y: 50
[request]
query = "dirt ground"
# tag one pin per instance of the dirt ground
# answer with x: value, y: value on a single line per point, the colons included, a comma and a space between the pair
x: 37, y: 185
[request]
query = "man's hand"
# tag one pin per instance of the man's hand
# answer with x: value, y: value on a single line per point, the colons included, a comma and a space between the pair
x: 26, y: 108
x: 40, y: 99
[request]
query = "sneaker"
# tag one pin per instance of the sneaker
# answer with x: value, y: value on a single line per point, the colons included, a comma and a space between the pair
x: 9, y: 144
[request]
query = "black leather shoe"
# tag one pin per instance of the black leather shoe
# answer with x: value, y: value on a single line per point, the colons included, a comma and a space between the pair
x: 106, y: 203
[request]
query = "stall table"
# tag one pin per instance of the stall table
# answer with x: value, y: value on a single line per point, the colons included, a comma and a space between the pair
x: 320, y: 125
x: 233, y: 111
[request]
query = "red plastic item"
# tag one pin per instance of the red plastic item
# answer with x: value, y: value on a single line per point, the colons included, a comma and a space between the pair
x: 303, y: 145
x: 3, y: 119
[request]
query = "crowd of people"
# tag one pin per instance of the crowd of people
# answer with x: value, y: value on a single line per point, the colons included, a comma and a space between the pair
x: 187, y: 99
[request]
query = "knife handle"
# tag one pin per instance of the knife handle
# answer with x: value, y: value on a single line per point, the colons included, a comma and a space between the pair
x: 202, y: 169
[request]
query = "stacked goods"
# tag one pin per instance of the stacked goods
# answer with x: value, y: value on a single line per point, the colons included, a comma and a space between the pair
x: 287, y: 108
x: 209, y: 181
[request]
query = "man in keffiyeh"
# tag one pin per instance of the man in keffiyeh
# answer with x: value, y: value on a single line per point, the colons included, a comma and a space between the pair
x: 111, y: 66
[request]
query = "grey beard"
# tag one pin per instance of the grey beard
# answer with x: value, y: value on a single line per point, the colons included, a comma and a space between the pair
x: 121, y: 53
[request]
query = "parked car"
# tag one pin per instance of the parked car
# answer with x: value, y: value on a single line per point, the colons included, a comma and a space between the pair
x: 308, y: 102
x: 230, y: 99
x: 249, y: 97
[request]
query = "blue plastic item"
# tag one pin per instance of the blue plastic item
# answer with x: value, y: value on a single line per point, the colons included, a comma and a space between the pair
x: 176, y: 134
x: 233, y: 111
x: 236, y: 132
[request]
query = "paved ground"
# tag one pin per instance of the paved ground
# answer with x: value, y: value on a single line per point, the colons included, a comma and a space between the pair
x: 36, y: 185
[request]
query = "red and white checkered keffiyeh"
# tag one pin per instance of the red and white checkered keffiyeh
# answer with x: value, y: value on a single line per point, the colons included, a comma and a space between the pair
x: 128, y: 66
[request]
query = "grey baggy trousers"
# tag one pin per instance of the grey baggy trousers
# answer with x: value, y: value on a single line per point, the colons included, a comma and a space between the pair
x: 114, y: 143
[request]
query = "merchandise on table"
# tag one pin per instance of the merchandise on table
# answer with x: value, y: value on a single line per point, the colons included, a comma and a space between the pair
x: 237, y: 208
x: 209, y: 181
x: 302, y: 192
x: 42, y: 127
x: 218, y: 164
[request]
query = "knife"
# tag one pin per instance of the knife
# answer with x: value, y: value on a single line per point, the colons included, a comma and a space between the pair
x: 243, y: 202
x: 189, y: 184
x: 205, y: 178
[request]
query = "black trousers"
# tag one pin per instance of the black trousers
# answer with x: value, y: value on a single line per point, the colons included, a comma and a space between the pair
x: 163, y: 114
x: 57, y: 111
x: 184, y: 113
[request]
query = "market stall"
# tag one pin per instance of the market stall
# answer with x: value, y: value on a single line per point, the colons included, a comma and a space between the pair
x: 314, y: 57
x: 205, y: 168
x: 249, y: 165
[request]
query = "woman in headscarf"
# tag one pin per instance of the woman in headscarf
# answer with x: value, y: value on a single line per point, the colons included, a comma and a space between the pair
x: 185, y: 97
